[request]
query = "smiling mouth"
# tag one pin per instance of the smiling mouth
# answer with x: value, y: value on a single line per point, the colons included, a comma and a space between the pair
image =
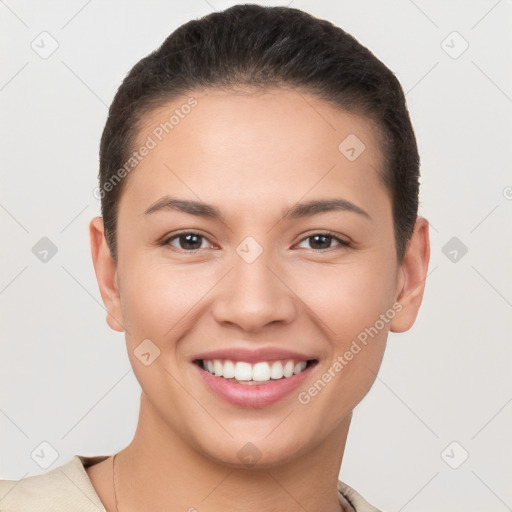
x: 262, y: 372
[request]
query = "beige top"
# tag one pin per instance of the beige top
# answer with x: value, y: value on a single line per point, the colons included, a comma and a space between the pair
x: 67, y: 488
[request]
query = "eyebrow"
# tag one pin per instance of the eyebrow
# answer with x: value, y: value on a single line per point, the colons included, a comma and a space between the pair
x: 299, y: 210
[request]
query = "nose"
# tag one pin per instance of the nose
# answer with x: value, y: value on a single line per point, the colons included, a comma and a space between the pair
x: 255, y: 294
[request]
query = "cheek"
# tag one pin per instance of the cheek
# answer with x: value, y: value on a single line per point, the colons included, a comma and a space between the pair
x: 347, y: 299
x: 351, y: 304
x: 158, y: 300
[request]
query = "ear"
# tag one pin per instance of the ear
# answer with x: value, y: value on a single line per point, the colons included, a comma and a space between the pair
x: 413, y: 274
x: 106, y: 274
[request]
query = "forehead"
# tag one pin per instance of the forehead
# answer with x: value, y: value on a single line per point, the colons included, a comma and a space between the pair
x: 248, y: 145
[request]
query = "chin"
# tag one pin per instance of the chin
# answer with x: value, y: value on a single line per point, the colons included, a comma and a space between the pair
x: 248, y: 452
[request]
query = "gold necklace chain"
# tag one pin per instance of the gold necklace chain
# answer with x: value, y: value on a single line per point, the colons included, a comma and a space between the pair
x: 114, y: 478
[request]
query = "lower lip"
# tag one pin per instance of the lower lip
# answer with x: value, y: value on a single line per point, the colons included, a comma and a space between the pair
x: 253, y: 396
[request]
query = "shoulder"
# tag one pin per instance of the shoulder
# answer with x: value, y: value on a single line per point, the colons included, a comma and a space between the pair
x: 66, y: 488
x: 355, y: 499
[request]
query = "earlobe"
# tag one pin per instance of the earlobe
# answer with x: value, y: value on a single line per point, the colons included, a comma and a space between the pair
x: 413, y: 274
x: 106, y: 274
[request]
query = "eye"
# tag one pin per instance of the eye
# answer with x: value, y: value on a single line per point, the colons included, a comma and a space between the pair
x: 188, y: 241
x: 322, y: 241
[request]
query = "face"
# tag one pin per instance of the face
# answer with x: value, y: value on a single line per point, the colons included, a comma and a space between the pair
x: 227, y: 267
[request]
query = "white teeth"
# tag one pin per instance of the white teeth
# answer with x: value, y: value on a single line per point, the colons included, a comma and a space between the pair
x: 299, y: 367
x: 229, y: 370
x: 288, y: 369
x: 276, y: 370
x: 259, y: 372
x: 243, y: 371
x: 217, y: 367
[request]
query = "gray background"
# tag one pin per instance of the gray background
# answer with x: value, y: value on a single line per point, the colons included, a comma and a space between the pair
x: 65, y: 376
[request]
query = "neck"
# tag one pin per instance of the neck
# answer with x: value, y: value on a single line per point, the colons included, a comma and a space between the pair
x: 159, y: 471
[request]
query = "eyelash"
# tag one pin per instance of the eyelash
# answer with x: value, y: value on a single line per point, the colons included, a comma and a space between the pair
x: 342, y: 243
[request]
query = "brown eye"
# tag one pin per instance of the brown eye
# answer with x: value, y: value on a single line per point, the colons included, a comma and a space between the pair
x: 323, y: 241
x: 188, y: 241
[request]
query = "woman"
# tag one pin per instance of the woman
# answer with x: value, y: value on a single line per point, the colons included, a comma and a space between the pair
x: 259, y: 239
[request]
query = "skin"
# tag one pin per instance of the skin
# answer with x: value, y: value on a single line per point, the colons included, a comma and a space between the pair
x: 251, y: 155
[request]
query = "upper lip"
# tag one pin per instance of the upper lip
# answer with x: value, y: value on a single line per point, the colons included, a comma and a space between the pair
x: 253, y: 355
